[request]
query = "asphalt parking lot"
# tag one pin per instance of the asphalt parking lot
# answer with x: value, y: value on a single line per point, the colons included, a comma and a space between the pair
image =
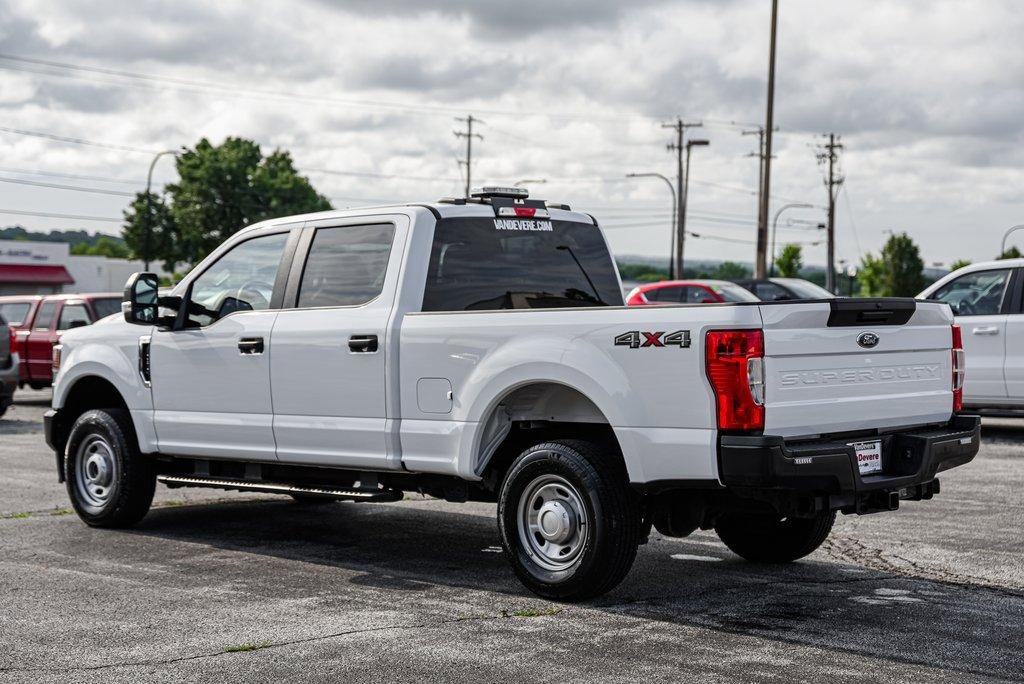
x: 226, y: 587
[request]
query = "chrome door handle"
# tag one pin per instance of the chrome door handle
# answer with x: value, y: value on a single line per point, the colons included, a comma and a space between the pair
x: 990, y: 330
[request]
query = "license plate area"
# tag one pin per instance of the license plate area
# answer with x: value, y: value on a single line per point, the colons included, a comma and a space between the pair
x: 869, y: 456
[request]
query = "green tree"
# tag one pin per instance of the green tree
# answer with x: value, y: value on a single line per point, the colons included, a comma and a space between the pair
x: 221, y: 189
x: 1011, y: 253
x: 790, y: 261
x: 958, y: 264
x: 104, y: 245
x: 730, y: 270
x: 897, y: 272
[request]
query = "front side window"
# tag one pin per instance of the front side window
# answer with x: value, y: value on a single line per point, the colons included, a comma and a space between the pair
x: 975, y: 294
x: 346, y: 265
x: 487, y: 264
x: 241, y: 280
x: 44, y: 319
x: 73, y: 316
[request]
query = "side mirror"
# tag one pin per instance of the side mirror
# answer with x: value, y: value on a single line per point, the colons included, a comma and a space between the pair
x: 140, y: 301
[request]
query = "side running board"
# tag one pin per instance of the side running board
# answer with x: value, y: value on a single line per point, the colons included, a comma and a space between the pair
x: 376, y: 495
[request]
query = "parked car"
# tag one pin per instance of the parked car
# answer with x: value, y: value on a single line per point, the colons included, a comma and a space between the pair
x: 688, y: 292
x: 480, y: 350
x: 40, y: 320
x: 8, y: 365
x: 783, y: 289
x: 987, y: 303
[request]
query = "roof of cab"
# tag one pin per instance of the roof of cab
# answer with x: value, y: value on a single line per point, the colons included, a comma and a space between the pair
x: 440, y: 209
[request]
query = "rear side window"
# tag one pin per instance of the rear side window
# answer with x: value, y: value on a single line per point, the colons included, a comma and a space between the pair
x: 106, y: 307
x: 346, y: 265
x: 487, y: 264
x: 44, y: 319
x: 15, y: 313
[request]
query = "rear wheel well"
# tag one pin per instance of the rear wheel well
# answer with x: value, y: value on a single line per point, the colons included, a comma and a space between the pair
x: 535, y: 413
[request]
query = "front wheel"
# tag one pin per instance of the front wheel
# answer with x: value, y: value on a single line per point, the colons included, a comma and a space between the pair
x: 569, y: 521
x: 771, y: 539
x: 110, y: 483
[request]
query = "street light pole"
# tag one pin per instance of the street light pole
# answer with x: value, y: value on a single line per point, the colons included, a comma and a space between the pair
x: 775, y: 222
x: 671, y: 188
x: 147, y: 235
x: 690, y: 144
x: 1002, y: 248
x: 529, y: 181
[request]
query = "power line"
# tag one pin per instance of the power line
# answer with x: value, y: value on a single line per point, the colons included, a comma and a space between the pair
x: 58, y: 186
x: 56, y: 174
x: 142, y: 79
x: 76, y: 217
x: 77, y: 141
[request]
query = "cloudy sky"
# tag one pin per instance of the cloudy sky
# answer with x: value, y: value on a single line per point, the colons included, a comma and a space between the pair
x: 928, y: 97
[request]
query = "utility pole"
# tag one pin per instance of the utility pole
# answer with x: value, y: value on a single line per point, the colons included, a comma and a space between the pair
x: 760, y: 264
x: 679, y: 148
x: 468, y: 135
x: 759, y: 132
x: 829, y: 154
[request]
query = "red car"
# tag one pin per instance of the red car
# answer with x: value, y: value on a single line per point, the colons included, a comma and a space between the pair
x: 689, y: 292
x: 38, y: 321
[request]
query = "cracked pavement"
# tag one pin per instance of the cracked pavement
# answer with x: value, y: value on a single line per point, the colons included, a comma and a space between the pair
x: 229, y: 587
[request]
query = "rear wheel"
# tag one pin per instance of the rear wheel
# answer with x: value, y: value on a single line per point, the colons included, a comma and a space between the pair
x: 569, y: 521
x: 110, y: 483
x: 770, y: 539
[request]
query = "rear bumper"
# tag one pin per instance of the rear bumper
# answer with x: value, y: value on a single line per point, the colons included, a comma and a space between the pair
x: 816, y: 475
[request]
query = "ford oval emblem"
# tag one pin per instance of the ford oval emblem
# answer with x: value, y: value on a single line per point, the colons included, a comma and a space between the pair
x: 868, y: 340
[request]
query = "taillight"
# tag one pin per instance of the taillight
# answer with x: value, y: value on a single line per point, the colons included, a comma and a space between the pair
x: 735, y: 367
x: 959, y: 369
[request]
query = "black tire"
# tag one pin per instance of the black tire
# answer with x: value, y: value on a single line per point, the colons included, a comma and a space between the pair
x: 770, y: 539
x: 606, y: 549
x: 123, y: 498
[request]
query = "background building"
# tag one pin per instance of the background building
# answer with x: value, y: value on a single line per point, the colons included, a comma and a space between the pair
x: 49, y: 267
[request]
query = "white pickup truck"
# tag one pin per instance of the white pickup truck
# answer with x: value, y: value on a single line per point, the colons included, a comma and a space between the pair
x: 480, y: 350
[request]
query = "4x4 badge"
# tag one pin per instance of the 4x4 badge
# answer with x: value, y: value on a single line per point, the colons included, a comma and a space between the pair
x: 634, y: 339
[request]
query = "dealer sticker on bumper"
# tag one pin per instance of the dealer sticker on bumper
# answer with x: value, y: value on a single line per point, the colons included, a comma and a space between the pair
x: 869, y: 456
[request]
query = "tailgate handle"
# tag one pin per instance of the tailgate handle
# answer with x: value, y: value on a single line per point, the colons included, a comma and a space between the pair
x: 990, y: 330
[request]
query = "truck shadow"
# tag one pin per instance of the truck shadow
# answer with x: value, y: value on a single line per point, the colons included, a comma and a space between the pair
x: 831, y: 605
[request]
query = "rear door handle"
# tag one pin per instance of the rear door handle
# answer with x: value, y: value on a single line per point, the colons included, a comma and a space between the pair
x: 250, y: 345
x: 990, y: 330
x: 363, y: 344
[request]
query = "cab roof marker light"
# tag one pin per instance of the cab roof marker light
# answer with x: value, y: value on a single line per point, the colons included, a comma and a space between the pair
x: 499, y: 191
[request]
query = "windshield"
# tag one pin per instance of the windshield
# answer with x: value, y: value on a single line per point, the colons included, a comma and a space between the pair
x: 731, y: 292
x: 107, y: 306
x: 804, y: 289
x: 485, y: 263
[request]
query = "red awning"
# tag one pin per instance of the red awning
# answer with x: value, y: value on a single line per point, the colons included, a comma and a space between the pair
x: 41, y: 274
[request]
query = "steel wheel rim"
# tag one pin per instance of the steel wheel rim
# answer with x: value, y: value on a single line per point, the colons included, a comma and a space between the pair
x: 95, y: 471
x: 552, y: 522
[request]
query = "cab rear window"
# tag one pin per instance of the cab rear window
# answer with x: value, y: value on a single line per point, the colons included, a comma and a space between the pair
x: 488, y: 264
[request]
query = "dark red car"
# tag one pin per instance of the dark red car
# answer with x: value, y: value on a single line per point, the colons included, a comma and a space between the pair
x: 689, y: 292
x: 38, y: 321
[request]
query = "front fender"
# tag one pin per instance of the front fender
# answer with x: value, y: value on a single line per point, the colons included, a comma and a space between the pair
x: 115, y: 362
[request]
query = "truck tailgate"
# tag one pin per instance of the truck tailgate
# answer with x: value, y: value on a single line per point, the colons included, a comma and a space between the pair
x: 824, y: 375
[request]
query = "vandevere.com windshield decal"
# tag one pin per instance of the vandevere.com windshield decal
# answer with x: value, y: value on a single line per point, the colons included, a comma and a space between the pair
x: 522, y: 224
